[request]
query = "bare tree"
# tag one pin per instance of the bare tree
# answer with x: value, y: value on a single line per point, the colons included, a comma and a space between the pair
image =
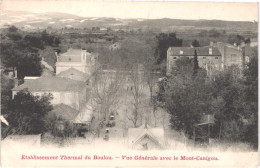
x: 105, y: 92
x: 137, y: 95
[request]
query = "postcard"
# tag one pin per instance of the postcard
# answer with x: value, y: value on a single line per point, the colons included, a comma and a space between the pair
x: 129, y: 83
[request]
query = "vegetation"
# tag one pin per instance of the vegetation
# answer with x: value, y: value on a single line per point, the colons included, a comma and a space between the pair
x: 22, y: 51
x: 230, y: 96
x: 164, y: 41
x: 26, y: 113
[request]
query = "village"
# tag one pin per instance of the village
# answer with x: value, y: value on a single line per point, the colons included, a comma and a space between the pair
x: 98, y: 83
x: 97, y: 102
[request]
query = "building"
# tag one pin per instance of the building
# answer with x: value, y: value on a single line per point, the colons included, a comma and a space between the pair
x: 231, y: 54
x: 67, y: 91
x: 77, y: 59
x: 146, y: 138
x: 216, y: 56
x: 207, y: 56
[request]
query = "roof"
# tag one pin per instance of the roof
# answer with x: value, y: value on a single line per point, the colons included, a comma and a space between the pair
x: 189, y: 51
x: 74, y: 74
x: 64, y: 111
x: 72, y: 55
x: 51, y: 83
x: 136, y: 134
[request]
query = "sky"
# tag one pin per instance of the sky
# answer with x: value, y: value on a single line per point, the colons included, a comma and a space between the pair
x: 234, y: 11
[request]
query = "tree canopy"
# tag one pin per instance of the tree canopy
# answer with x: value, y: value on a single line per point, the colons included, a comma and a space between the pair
x: 26, y: 112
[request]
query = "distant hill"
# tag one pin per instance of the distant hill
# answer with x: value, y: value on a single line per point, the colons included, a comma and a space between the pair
x: 30, y: 20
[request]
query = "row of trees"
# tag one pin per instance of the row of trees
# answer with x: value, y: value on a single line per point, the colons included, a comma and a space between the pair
x: 230, y: 95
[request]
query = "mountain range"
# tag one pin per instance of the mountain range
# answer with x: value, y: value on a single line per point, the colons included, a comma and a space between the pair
x: 31, y: 20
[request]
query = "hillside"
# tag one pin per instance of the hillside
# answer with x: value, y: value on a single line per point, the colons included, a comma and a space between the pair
x: 60, y: 20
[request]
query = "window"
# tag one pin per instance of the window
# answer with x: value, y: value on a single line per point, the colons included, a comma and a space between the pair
x: 187, y: 57
x: 216, y: 57
x: 210, y: 51
x: 181, y: 52
x: 204, y: 57
x: 174, y: 57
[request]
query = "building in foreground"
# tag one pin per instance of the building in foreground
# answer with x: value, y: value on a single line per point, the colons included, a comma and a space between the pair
x: 67, y: 91
x: 146, y: 138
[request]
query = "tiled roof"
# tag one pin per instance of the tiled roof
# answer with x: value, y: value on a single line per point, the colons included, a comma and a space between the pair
x: 52, y: 84
x: 188, y: 51
x: 64, y: 111
x: 74, y: 74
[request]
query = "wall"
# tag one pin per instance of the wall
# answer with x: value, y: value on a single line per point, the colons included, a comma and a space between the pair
x: 232, y: 56
x: 69, y: 98
x: 204, y: 61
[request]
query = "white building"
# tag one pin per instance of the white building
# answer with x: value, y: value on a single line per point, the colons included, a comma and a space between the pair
x: 78, y: 59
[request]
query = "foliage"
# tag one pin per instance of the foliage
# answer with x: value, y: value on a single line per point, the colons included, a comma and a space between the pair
x: 26, y: 112
x: 60, y: 127
x: 195, y: 63
x: 250, y: 99
x: 195, y: 43
x: 22, y: 53
x: 236, y: 38
x: 6, y: 93
x: 164, y: 41
x: 186, y: 97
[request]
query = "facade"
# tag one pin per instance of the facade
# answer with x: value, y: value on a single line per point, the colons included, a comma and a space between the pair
x: 231, y: 55
x: 208, y: 56
x: 78, y: 59
x: 69, y: 92
x: 216, y: 56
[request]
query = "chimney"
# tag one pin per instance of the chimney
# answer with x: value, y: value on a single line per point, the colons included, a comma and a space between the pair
x: 83, y: 55
x: 191, y: 46
x: 210, y: 51
x: 181, y: 52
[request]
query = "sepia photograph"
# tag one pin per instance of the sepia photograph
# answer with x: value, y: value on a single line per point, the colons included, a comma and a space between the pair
x: 129, y: 83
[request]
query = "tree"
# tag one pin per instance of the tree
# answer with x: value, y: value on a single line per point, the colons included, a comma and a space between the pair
x: 195, y: 63
x: 6, y: 92
x: 105, y: 95
x: 164, y: 41
x: 22, y: 56
x: 137, y: 95
x: 187, y: 100
x: 26, y: 113
x: 186, y: 97
x: 235, y: 39
x: 227, y: 91
x: 195, y: 43
x: 250, y: 98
